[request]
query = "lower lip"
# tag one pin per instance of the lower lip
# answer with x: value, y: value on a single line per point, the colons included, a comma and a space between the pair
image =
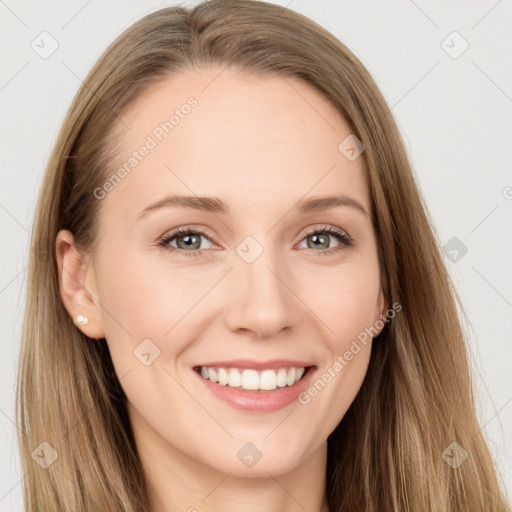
x: 256, y: 400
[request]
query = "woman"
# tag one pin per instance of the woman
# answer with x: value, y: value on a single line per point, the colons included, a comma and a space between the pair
x: 189, y: 343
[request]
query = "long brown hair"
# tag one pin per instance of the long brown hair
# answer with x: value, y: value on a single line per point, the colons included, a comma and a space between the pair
x: 417, y: 398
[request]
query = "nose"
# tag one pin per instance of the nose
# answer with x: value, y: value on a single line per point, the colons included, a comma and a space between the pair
x: 261, y: 296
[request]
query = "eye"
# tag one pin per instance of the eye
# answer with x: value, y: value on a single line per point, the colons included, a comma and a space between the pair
x: 185, y: 239
x: 320, y: 237
x: 188, y: 241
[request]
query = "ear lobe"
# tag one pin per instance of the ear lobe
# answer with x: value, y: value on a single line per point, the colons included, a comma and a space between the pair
x: 77, y: 285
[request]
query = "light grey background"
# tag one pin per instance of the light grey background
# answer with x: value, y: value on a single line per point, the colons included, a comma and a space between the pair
x: 455, y: 115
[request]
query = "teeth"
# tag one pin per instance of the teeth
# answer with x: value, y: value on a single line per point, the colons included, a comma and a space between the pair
x: 290, y: 376
x: 223, y: 377
x: 281, y: 378
x: 252, y: 379
x: 235, y: 378
x: 268, y: 380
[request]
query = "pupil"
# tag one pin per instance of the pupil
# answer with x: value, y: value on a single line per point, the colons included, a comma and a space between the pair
x: 189, y: 240
x: 317, y: 239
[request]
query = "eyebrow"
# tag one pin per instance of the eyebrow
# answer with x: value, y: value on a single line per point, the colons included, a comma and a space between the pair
x: 216, y: 205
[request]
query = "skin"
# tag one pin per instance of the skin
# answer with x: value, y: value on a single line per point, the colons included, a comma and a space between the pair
x: 260, y: 144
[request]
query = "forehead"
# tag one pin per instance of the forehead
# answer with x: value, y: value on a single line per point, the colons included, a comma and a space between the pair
x: 253, y: 140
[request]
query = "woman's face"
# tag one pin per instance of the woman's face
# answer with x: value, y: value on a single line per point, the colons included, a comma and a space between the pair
x: 260, y: 286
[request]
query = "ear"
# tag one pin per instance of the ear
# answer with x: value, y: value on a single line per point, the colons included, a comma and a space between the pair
x: 77, y: 285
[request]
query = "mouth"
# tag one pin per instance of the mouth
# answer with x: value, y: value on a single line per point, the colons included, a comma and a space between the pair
x: 251, y: 379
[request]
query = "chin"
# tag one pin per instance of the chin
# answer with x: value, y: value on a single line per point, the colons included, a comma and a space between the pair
x: 276, y: 463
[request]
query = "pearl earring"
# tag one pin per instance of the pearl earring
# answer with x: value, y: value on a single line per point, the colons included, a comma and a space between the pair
x: 82, y: 320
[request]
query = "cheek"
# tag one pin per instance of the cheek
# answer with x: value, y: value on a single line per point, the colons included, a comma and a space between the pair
x: 151, y: 314
x: 173, y: 307
x: 143, y: 311
x: 346, y: 305
x: 147, y: 299
x: 344, y: 300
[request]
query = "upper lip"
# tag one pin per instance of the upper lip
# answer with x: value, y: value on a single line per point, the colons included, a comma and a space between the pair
x: 258, y: 365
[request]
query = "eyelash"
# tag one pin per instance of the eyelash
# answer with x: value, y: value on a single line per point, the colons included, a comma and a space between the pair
x: 344, y: 239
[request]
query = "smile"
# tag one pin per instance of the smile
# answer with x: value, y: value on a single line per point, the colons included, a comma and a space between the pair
x: 250, y: 379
